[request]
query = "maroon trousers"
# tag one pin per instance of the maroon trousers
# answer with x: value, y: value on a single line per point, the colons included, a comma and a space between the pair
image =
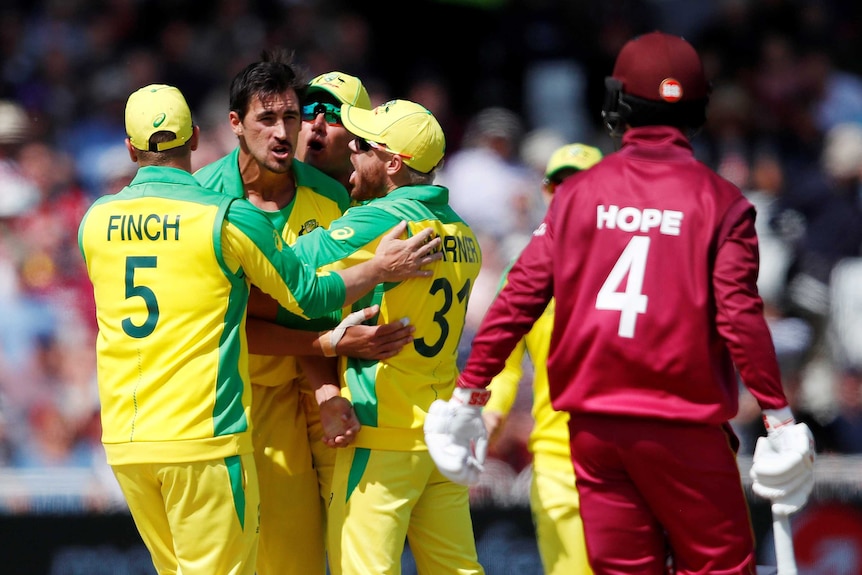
x: 653, y: 489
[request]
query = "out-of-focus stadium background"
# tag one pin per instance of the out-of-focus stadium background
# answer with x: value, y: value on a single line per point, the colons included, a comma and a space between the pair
x: 509, y: 81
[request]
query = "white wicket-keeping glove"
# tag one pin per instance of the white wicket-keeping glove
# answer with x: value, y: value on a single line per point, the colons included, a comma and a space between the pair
x: 456, y: 435
x: 782, y: 468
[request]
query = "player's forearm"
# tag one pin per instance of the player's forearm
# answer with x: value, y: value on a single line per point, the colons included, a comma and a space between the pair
x: 322, y: 373
x: 360, y: 279
x: 267, y: 338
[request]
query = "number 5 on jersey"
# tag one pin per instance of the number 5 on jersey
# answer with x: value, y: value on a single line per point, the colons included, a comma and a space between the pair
x: 629, y: 302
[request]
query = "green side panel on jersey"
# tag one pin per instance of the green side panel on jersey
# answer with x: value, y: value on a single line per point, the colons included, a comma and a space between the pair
x: 229, y: 414
x: 360, y: 377
x: 234, y: 471
x: 228, y: 404
x: 357, y: 468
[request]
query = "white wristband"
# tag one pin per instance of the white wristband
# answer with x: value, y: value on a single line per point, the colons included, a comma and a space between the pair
x: 471, y: 396
x: 773, y: 419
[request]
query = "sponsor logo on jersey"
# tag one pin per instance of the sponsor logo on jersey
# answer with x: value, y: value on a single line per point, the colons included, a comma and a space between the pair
x: 342, y: 233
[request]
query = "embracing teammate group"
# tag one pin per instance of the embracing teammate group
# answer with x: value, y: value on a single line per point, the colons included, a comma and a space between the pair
x: 278, y: 336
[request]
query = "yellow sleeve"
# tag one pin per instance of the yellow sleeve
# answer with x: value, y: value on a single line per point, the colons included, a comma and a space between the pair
x: 274, y: 268
x: 504, y: 386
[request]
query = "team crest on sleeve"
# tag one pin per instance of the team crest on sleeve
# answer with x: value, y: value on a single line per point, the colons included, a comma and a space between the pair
x: 276, y: 237
x: 342, y: 233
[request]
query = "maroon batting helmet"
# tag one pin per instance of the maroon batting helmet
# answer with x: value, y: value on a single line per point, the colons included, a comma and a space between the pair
x: 658, y: 79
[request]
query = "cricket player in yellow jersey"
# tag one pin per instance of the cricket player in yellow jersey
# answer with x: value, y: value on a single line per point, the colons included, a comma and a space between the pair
x: 171, y: 265
x: 294, y: 464
x: 386, y: 488
x: 553, y: 496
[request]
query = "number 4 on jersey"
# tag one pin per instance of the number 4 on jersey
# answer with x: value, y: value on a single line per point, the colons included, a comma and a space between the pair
x: 630, y: 302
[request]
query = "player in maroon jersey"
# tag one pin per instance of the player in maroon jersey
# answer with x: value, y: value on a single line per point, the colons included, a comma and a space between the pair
x: 652, y: 259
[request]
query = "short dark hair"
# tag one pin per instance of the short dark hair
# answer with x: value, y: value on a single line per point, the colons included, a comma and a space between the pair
x: 682, y: 115
x: 164, y: 157
x: 274, y: 73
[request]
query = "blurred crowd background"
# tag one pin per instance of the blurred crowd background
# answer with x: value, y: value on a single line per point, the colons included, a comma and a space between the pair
x: 509, y: 80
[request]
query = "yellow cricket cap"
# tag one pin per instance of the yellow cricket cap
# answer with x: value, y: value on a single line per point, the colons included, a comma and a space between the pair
x: 403, y: 127
x: 572, y: 156
x: 348, y: 89
x: 157, y: 108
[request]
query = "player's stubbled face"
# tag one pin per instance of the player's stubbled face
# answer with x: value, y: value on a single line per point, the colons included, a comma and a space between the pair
x: 369, y: 171
x: 270, y: 129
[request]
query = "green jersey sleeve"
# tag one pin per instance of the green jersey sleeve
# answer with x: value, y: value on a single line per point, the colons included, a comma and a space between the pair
x: 260, y: 254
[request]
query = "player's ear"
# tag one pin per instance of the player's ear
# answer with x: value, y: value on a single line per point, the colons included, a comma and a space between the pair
x: 235, y: 123
x: 195, y: 139
x: 394, y: 164
x: 133, y: 152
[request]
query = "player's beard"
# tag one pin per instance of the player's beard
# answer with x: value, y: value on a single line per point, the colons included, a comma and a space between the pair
x: 367, y: 185
x: 278, y: 165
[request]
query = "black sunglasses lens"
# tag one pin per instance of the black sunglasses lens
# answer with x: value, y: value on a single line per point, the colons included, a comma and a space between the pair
x: 362, y: 145
x: 331, y: 114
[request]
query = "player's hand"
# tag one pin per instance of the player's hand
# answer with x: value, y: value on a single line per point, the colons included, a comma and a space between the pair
x: 493, y: 423
x: 456, y: 436
x: 398, y: 260
x: 782, y: 468
x: 339, y: 422
x: 373, y: 341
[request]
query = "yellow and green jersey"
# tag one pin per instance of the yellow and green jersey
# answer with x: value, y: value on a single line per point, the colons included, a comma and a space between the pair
x: 392, y: 396
x: 319, y: 200
x: 171, y: 264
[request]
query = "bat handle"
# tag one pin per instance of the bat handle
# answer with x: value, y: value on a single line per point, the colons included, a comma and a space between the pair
x: 784, y: 555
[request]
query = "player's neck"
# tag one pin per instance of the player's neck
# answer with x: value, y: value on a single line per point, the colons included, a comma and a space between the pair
x: 267, y: 190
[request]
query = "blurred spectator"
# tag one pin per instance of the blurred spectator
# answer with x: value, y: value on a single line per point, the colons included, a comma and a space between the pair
x: 489, y: 186
x: 495, y: 194
x: 766, y: 183
x: 836, y: 95
x: 829, y: 209
x: 845, y: 326
x: 17, y: 192
x: 53, y: 440
x: 537, y: 146
x: 433, y: 91
x: 728, y: 142
x: 6, y: 444
x: 845, y: 428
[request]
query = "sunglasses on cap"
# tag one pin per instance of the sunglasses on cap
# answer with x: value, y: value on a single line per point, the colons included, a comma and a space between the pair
x: 331, y: 112
x: 364, y: 145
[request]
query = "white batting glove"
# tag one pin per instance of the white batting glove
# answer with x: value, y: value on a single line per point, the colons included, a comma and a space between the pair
x: 456, y: 436
x: 782, y: 467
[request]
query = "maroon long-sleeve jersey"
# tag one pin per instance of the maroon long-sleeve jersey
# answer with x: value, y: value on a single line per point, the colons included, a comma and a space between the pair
x: 653, y: 260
